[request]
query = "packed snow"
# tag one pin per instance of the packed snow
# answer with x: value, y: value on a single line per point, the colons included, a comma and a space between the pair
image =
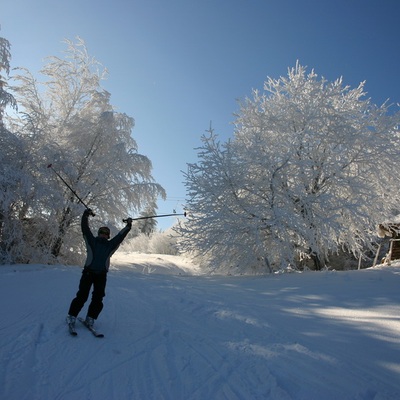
x: 172, y: 333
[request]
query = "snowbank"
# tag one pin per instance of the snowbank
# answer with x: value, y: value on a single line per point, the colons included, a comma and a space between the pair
x: 309, y: 336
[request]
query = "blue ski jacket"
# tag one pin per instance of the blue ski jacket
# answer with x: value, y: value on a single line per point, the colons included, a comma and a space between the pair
x: 100, y: 249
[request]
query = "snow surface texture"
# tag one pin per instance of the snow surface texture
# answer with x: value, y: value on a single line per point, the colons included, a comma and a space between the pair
x: 173, y: 334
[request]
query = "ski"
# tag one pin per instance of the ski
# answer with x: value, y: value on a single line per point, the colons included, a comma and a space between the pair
x: 91, y: 329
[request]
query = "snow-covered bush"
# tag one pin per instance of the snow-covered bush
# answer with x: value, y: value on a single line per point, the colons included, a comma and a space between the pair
x: 155, y: 243
x: 163, y: 243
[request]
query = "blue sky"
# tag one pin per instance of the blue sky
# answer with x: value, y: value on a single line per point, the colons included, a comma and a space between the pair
x: 176, y: 65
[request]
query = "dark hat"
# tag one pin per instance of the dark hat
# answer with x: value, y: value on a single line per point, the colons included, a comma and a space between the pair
x: 104, y: 230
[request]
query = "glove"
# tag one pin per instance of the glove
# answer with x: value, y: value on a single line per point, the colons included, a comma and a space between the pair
x: 88, y: 212
x: 129, y: 221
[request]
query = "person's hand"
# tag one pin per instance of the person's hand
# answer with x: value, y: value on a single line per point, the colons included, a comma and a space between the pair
x: 88, y: 212
x: 129, y: 221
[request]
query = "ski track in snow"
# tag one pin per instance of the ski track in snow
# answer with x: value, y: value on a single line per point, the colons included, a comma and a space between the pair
x: 311, y: 336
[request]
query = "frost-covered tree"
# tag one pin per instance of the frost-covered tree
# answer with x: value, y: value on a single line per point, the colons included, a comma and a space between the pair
x: 147, y: 225
x: 13, y: 180
x: 67, y: 120
x: 311, y: 170
x: 6, y: 98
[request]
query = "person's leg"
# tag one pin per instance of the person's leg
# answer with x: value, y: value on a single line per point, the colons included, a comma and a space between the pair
x: 82, y: 295
x: 99, y: 287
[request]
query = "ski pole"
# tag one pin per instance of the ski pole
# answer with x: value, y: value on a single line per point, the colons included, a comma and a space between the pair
x: 155, y: 216
x: 70, y: 188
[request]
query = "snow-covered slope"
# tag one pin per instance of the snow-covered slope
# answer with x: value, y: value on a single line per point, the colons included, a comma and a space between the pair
x: 322, y: 336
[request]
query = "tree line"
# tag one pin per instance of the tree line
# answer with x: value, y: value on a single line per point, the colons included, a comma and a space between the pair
x: 310, y: 171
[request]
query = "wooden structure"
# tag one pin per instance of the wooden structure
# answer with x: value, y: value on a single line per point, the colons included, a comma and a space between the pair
x: 391, y: 230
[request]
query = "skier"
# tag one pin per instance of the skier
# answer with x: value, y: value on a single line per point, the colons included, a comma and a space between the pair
x: 99, y: 251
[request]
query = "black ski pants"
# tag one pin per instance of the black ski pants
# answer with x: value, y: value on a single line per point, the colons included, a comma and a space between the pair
x: 96, y: 305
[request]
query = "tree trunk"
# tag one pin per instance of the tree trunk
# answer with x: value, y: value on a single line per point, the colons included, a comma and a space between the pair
x: 62, y: 228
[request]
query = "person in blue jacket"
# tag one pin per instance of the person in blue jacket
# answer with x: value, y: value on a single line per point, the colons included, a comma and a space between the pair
x: 99, y: 251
